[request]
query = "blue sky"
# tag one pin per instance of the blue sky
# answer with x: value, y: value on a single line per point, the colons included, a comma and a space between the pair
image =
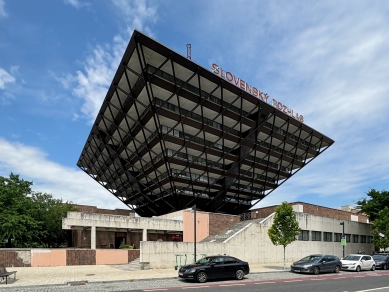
x: 328, y: 60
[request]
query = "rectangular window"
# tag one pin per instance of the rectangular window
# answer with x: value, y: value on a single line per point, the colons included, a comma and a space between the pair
x: 355, y: 238
x: 327, y: 236
x: 369, y: 239
x: 316, y: 235
x: 304, y: 235
x: 337, y: 237
x: 348, y: 237
x: 363, y: 238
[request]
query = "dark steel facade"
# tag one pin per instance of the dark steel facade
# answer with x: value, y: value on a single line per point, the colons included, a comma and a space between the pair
x: 171, y: 134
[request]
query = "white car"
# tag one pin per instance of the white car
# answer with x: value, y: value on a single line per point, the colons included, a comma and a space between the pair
x: 358, y: 262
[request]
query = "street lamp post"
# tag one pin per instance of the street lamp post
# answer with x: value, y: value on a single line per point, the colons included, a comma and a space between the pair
x: 194, y: 241
x: 342, y: 223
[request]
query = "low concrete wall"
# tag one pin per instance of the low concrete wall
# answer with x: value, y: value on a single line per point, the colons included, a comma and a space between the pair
x: 48, y: 257
x: 161, y: 255
x: 111, y: 257
x: 14, y: 257
x: 65, y: 257
x: 78, y: 257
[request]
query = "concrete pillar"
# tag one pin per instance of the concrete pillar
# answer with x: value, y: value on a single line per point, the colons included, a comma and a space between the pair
x: 144, y: 237
x: 93, y: 237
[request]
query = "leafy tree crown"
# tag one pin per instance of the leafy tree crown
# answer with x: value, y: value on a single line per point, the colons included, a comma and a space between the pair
x: 285, y: 226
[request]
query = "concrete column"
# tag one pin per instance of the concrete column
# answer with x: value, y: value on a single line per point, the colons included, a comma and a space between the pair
x: 144, y: 237
x: 93, y: 237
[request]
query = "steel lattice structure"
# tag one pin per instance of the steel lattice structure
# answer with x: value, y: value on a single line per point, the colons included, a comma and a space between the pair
x: 171, y: 134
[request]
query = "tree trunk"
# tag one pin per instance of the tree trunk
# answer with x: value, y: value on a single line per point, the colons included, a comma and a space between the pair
x: 284, y: 257
x: 9, y: 243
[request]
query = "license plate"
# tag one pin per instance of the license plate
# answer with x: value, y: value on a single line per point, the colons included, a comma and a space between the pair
x: 180, y: 274
x: 298, y: 271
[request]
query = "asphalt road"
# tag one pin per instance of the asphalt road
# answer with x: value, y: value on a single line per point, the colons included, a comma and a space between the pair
x: 354, y: 284
x: 377, y: 281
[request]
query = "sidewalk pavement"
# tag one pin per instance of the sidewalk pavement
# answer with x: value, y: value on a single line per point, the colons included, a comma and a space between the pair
x: 67, y: 275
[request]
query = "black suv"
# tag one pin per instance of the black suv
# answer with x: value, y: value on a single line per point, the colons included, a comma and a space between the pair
x: 381, y: 261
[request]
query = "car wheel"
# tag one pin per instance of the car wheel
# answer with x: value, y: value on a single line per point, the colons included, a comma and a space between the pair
x: 316, y: 270
x: 337, y: 269
x: 373, y: 267
x: 384, y: 267
x: 239, y: 275
x: 358, y: 269
x: 202, y: 277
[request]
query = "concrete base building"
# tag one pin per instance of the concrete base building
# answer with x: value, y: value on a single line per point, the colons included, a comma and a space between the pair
x: 321, y: 232
x: 94, y: 228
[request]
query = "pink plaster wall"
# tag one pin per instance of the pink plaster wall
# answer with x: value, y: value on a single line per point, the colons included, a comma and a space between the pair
x: 48, y: 257
x: 202, y: 226
x: 58, y: 257
x: 111, y: 256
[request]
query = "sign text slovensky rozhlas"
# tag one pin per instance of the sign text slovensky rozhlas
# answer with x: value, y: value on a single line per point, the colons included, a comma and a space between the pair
x: 254, y: 91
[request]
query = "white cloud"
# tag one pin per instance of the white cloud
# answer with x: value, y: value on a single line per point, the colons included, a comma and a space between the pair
x: 66, y: 81
x: 91, y: 83
x: 14, y: 70
x: 5, y: 77
x: 137, y: 15
x: 332, y: 69
x: 77, y: 3
x: 49, y: 177
x: 2, y: 10
x: 5, y: 98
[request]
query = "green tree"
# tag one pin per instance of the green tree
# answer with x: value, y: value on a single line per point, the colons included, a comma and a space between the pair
x: 15, y: 218
x: 28, y: 218
x: 375, y: 202
x: 49, y: 212
x: 285, y: 227
x: 381, y: 229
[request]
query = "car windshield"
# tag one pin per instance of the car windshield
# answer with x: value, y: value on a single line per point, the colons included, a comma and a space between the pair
x: 352, y: 258
x: 311, y: 258
x: 379, y: 257
x: 205, y: 260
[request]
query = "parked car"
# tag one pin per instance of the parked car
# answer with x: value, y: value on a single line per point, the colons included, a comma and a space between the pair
x: 215, y: 267
x: 358, y: 262
x: 381, y: 261
x: 316, y: 264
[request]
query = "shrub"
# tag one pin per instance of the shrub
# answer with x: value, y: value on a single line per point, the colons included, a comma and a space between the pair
x: 125, y: 246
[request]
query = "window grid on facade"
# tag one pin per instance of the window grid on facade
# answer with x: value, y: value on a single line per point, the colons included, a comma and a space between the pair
x: 363, y: 238
x: 348, y: 237
x: 355, y: 238
x: 316, y: 235
x: 304, y: 235
x: 369, y: 239
x: 337, y: 237
x: 327, y: 236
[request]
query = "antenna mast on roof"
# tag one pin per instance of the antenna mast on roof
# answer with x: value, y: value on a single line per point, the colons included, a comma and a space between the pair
x: 188, y: 51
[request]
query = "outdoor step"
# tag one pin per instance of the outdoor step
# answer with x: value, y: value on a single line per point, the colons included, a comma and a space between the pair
x: 134, y: 265
x: 221, y: 237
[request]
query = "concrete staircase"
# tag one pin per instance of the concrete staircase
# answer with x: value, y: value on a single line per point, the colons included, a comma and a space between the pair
x: 131, y: 266
x: 230, y: 232
x: 134, y: 265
